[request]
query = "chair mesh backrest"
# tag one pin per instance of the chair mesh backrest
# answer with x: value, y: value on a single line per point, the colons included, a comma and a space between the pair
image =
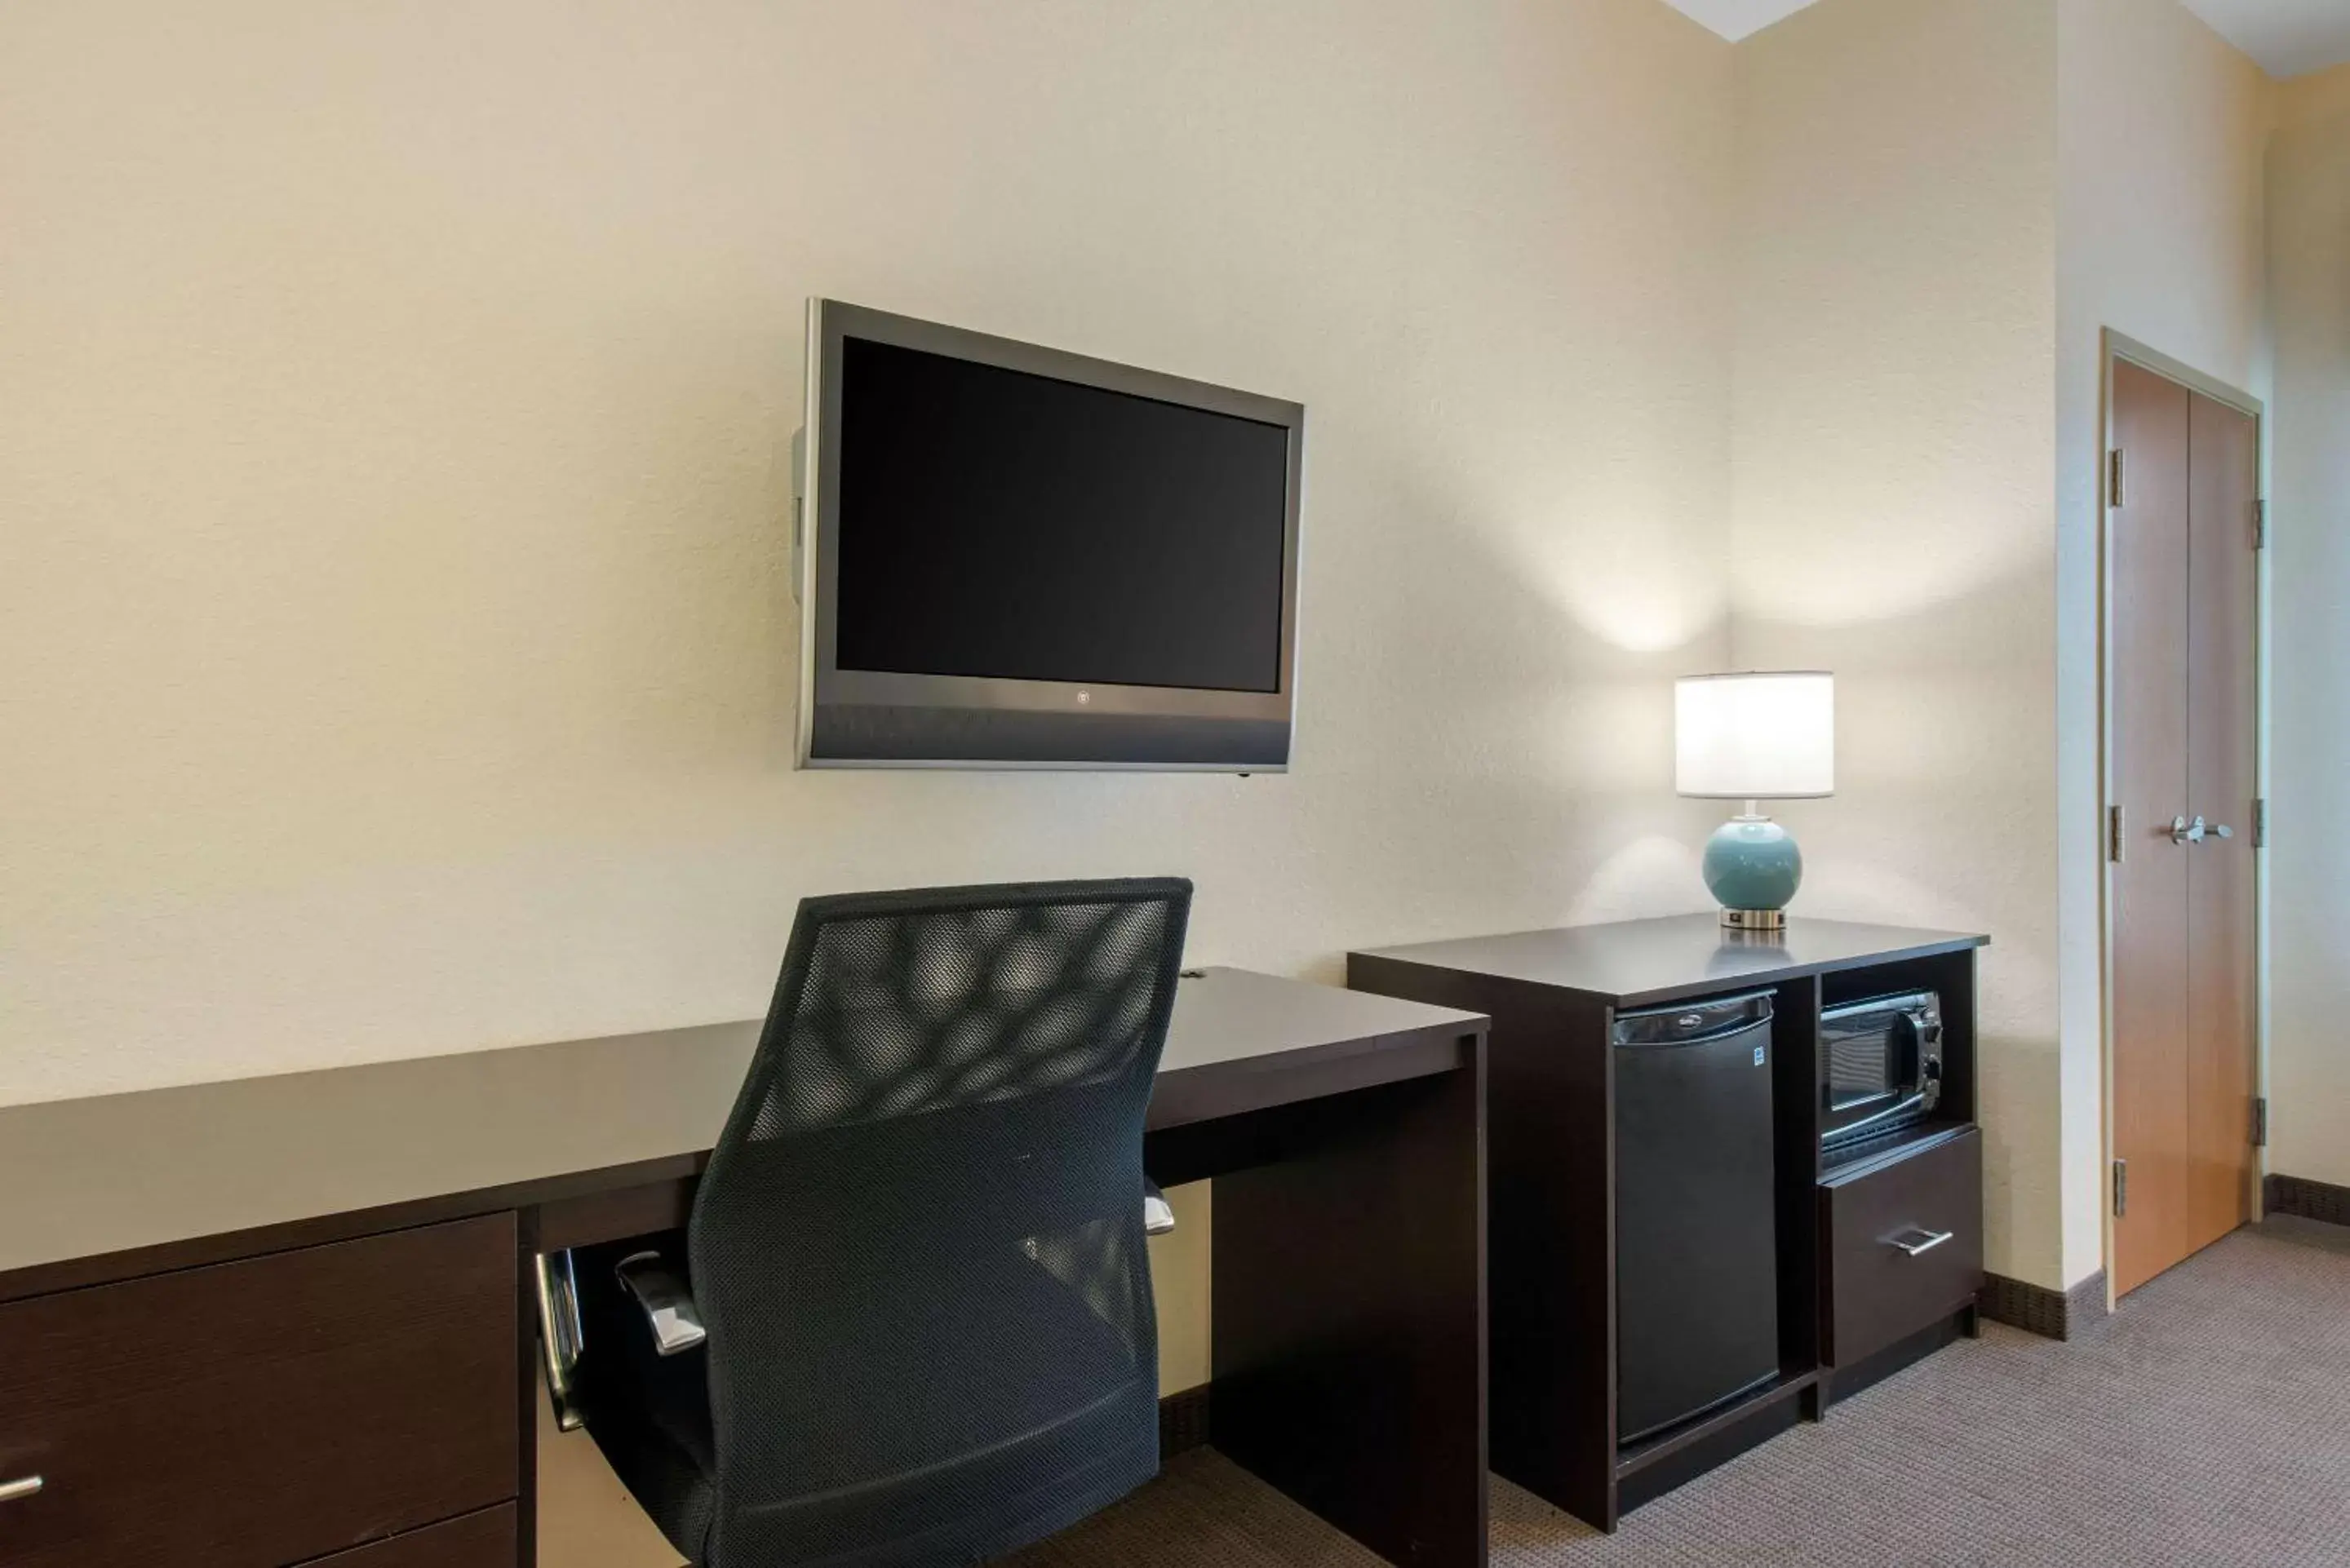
x: 918, y: 1244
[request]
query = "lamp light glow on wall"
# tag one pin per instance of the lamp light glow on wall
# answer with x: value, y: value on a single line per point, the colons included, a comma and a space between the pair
x: 1752, y: 737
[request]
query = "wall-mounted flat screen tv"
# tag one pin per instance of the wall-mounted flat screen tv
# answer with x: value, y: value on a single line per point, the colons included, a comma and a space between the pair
x: 1013, y: 557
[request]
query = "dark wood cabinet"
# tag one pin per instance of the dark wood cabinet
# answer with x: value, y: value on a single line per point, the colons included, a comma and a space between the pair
x: 1552, y: 1158
x: 1904, y: 1242
x: 270, y: 1411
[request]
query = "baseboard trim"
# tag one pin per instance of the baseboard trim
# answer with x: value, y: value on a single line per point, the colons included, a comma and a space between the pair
x: 2306, y: 1200
x: 1183, y: 1421
x: 2071, y: 1314
x: 2036, y: 1309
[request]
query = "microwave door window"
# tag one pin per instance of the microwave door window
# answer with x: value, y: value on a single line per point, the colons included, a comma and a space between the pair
x: 1859, y: 1069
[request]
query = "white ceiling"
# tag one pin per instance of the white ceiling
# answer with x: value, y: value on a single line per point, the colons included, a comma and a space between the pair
x: 2288, y: 38
x: 1733, y: 19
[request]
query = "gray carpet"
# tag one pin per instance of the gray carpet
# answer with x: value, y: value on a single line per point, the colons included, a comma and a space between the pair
x: 2209, y: 1423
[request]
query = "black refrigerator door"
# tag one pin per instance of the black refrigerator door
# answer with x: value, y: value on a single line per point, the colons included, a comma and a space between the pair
x: 1697, y: 1249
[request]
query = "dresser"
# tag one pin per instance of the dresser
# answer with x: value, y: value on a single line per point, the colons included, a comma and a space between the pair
x: 1859, y: 1291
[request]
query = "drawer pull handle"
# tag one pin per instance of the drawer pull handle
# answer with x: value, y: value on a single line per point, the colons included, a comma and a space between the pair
x: 16, y: 1490
x: 1924, y: 1241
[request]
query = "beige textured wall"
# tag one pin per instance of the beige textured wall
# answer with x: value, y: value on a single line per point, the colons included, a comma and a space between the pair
x: 2309, y: 274
x: 1893, y: 472
x: 394, y: 644
x: 2160, y: 130
x: 395, y: 650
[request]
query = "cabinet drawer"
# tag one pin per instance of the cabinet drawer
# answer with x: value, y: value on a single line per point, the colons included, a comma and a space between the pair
x: 485, y: 1540
x: 261, y: 1413
x: 1888, y: 1274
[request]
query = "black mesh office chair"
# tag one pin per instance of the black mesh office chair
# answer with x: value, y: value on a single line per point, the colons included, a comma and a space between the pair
x: 917, y: 1253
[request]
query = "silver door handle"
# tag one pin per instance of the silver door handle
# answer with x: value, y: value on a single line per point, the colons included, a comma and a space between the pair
x: 16, y: 1490
x: 2185, y: 832
x: 2220, y: 830
x: 1933, y: 1239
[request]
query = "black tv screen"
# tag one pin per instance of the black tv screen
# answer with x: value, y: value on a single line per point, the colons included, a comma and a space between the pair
x: 999, y: 523
x: 1011, y: 556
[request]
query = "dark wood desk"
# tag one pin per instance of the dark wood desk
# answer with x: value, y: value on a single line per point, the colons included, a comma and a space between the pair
x: 250, y: 1323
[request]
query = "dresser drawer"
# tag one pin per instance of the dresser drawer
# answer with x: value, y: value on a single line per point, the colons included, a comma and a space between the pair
x: 262, y: 1413
x: 484, y: 1540
x: 1904, y: 1244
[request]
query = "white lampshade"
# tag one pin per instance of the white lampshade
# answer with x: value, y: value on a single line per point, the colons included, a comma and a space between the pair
x: 1768, y: 736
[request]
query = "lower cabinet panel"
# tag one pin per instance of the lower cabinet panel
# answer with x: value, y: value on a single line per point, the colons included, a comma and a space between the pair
x: 485, y: 1540
x: 272, y: 1411
x: 1904, y: 1244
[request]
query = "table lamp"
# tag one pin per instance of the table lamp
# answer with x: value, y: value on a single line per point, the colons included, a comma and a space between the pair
x: 1752, y: 737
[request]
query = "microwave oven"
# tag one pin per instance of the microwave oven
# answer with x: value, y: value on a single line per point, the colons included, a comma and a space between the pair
x: 1880, y: 1066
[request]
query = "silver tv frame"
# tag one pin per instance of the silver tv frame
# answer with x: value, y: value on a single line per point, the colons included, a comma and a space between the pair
x: 868, y: 719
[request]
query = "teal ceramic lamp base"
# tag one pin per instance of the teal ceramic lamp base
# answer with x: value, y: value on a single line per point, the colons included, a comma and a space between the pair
x: 1753, y: 870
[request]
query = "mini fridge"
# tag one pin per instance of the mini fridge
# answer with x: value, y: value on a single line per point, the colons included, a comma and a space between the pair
x: 1697, y: 1246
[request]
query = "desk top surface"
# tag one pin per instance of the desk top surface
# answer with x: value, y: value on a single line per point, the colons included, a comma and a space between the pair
x: 117, y: 1172
x: 1677, y: 956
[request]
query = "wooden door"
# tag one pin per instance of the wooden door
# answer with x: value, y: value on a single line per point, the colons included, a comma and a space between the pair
x: 2222, y: 762
x: 2183, y: 688
x: 2148, y: 541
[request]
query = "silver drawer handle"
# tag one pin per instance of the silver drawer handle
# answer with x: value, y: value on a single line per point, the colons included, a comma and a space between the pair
x: 1932, y: 1239
x: 18, y: 1491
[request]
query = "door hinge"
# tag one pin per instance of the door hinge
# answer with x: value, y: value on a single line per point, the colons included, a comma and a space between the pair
x: 2260, y: 1121
x: 2114, y: 834
x: 2121, y: 1187
x: 2261, y: 823
x: 2260, y: 525
x: 2113, y: 477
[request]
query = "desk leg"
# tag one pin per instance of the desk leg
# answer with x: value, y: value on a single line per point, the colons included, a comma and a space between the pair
x: 1349, y: 1317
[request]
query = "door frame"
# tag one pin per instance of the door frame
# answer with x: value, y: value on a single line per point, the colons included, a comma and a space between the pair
x: 2117, y: 346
